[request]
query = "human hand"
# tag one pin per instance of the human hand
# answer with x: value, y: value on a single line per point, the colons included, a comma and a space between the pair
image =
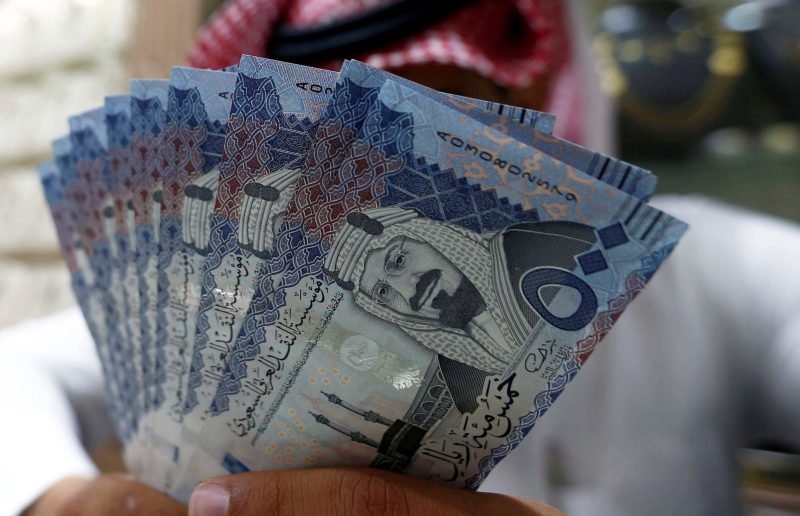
x: 106, y: 494
x: 350, y: 491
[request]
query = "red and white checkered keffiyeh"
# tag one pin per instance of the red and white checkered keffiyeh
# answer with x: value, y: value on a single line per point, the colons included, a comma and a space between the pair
x: 478, y: 37
x: 515, y: 43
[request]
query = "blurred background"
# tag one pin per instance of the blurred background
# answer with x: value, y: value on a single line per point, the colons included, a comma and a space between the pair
x: 705, y: 93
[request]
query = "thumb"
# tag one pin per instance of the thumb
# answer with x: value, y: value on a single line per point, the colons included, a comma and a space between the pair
x: 356, y: 491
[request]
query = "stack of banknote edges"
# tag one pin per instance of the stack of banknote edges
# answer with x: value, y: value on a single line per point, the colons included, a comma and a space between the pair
x: 287, y: 267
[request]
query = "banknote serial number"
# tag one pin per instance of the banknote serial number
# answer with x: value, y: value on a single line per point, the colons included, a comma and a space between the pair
x: 314, y: 88
x: 502, y: 164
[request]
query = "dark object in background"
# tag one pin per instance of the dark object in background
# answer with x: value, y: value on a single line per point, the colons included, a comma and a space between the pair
x: 674, y: 71
x: 680, y: 72
x: 774, y: 44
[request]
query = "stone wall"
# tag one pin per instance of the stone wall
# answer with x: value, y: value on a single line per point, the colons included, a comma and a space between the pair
x: 57, y: 58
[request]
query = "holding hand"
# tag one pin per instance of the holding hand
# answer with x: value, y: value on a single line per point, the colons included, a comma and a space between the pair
x: 107, y: 494
x: 350, y: 491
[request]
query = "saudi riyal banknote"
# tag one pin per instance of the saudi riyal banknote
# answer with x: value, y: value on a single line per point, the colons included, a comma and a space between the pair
x: 286, y: 267
x: 263, y: 217
x: 148, y: 118
x: 359, y: 85
x: 198, y: 106
x: 271, y: 125
x: 55, y: 177
x: 447, y: 281
x: 119, y: 209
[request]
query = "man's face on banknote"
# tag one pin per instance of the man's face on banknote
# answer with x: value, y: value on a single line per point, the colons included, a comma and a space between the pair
x: 413, y: 278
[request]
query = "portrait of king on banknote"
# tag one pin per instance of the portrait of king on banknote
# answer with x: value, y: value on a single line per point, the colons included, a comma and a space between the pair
x: 459, y: 294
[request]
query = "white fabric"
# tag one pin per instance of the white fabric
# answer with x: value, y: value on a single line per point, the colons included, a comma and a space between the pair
x: 51, y: 397
x: 707, y: 358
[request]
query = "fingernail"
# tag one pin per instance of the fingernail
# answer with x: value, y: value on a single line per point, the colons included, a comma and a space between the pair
x: 209, y: 500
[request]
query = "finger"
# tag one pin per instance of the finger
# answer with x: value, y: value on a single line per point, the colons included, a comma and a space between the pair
x: 351, y: 491
x: 118, y: 494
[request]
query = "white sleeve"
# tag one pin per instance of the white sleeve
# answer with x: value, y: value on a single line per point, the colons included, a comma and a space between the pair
x: 748, y: 268
x: 52, y: 398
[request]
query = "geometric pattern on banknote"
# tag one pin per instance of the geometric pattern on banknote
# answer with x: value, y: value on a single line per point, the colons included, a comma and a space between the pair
x: 260, y: 138
x: 54, y: 194
x: 184, y: 133
x: 344, y: 115
x: 92, y: 170
x: 193, y: 146
x: 321, y: 202
x: 50, y: 176
x: 125, y: 286
x: 148, y: 118
x: 351, y: 103
x: 365, y: 175
x: 74, y: 198
x: 634, y: 283
x: 118, y: 131
x: 89, y: 159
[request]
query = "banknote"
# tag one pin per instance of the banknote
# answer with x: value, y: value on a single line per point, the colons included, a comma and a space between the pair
x: 357, y: 84
x: 254, y: 236
x: 89, y: 141
x: 272, y: 122
x: 81, y: 276
x: 118, y: 129
x: 509, y: 120
x: 347, y: 117
x: 197, y: 117
x: 148, y: 118
x: 426, y: 332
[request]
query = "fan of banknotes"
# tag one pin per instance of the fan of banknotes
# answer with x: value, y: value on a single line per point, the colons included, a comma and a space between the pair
x: 286, y: 267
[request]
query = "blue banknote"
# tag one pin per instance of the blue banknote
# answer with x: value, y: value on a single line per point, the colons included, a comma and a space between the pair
x: 148, y: 118
x: 443, y: 284
x: 357, y: 86
x: 271, y: 126
x: 65, y: 219
x: 89, y: 141
x: 196, y: 122
x: 118, y: 129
